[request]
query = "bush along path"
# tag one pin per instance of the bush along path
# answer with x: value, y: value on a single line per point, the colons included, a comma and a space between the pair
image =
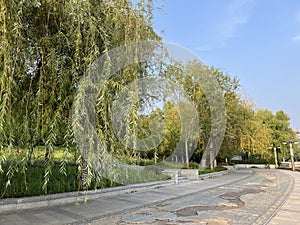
x: 30, y: 183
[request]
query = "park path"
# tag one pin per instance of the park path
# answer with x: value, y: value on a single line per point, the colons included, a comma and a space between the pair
x: 247, y: 196
x: 289, y: 213
x: 116, y: 204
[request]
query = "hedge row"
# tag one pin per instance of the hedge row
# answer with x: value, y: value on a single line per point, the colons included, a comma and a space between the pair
x: 31, y: 182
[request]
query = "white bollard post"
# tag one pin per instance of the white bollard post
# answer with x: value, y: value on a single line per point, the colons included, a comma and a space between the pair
x: 176, y: 177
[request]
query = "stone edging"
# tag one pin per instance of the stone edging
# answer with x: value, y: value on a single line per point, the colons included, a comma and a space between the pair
x: 11, y: 204
x: 215, y: 174
x: 267, y: 216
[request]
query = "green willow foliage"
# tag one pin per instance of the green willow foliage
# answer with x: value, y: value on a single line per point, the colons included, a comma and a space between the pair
x: 46, y: 45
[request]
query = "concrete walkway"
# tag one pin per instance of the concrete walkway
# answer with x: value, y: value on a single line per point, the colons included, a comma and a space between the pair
x: 99, y: 208
x: 250, y: 201
x: 242, y: 197
x: 289, y: 213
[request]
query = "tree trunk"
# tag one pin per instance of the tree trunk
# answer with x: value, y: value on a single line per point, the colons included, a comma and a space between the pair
x: 186, y: 153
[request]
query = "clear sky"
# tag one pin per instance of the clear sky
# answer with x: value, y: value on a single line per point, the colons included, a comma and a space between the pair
x: 257, y: 41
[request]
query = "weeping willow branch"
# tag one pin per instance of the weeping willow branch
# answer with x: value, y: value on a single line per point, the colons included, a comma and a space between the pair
x: 45, y: 48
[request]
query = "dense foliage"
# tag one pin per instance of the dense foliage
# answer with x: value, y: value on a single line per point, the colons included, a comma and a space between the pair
x: 46, y: 46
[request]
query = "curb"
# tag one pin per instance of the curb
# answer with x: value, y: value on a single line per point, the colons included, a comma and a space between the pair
x: 214, y: 174
x: 12, y: 204
x: 270, y: 213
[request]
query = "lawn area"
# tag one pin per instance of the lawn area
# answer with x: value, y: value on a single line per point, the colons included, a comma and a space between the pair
x: 20, y: 177
x: 38, y: 153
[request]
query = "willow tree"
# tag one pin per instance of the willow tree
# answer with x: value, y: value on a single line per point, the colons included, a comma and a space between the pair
x: 45, y: 48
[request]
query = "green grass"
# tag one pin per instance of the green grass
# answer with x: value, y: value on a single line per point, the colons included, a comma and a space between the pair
x: 208, y: 170
x: 29, y: 182
x: 38, y: 153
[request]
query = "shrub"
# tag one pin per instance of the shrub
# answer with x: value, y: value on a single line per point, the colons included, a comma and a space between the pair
x: 251, y: 161
x: 208, y: 170
x: 193, y: 165
x: 31, y: 183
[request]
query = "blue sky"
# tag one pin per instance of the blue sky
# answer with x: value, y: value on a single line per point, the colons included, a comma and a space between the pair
x: 257, y: 41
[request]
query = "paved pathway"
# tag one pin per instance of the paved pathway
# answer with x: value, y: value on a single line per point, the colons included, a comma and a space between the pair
x: 252, y: 200
x: 101, y: 207
x: 289, y: 213
x: 241, y: 197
